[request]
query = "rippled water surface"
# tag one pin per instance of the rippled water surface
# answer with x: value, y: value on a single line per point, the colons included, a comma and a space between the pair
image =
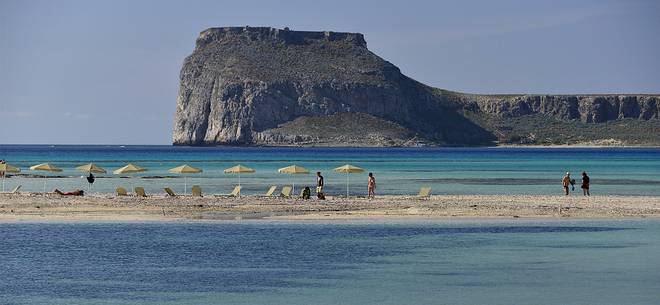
x: 398, y: 170
x: 462, y: 262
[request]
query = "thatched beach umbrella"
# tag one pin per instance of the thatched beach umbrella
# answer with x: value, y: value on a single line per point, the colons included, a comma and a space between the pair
x: 90, y: 168
x: 45, y: 167
x: 129, y: 169
x: 293, y: 170
x: 239, y: 169
x: 185, y: 169
x: 348, y: 169
x: 6, y: 168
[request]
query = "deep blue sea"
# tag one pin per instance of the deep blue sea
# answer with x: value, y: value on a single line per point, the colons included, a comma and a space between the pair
x: 621, y: 171
x: 444, y: 262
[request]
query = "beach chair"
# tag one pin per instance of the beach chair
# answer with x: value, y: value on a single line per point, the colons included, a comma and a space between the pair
x: 424, y: 193
x: 139, y: 191
x: 271, y: 191
x: 170, y: 192
x: 286, y: 192
x: 196, y: 191
x: 235, y: 193
x: 121, y: 191
x: 15, y: 190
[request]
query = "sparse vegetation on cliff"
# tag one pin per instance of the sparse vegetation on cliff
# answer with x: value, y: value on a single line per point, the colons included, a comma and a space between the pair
x: 265, y: 86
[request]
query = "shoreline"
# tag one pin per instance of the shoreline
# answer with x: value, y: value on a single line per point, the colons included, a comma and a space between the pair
x: 582, y: 145
x: 54, y: 208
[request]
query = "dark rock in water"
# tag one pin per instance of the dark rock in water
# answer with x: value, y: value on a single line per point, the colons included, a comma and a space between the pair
x: 266, y: 86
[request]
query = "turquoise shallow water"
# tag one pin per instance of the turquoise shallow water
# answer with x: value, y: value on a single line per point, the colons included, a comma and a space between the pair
x: 445, y: 262
x: 398, y: 170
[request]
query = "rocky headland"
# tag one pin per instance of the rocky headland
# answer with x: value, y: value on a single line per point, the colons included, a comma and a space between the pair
x: 267, y: 86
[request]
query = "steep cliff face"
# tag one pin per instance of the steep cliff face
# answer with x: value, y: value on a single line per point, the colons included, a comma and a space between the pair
x: 240, y: 83
x: 587, y: 108
x: 265, y: 86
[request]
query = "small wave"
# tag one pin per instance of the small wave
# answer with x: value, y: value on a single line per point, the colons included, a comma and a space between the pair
x: 528, y: 181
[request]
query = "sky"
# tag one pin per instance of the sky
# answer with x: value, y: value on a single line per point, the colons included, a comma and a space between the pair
x: 107, y: 72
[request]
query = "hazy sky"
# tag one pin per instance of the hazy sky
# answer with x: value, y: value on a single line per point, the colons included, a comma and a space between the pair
x: 106, y: 72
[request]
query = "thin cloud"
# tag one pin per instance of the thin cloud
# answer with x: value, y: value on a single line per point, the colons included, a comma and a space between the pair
x: 520, y: 24
x: 18, y: 114
x: 499, y: 26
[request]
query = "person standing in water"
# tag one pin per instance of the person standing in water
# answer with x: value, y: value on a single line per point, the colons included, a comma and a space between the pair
x: 371, y: 186
x: 566, y: 182
x: 585, y: 184
x: 319, y: 186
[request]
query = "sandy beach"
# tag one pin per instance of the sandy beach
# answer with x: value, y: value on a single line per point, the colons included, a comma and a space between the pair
x: 36, y: 207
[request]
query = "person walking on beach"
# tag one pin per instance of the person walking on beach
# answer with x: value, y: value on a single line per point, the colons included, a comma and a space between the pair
x: 371, y: 186
x: 585, y: 184
x: 566, y: 181
x: 319, y: 186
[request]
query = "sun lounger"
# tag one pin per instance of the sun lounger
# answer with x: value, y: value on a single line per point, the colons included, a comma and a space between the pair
x: 139, y: 191
x: 235, y: 193
x: 286, y: 192
x: 170, y: 192
x: 121, y: 191
x: 15, y: 190
x: 424, y: 193
x: 271, y: 191
x: 196, y: 191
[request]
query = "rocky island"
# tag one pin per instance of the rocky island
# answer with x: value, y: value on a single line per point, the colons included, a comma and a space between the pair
x: 278, y: 87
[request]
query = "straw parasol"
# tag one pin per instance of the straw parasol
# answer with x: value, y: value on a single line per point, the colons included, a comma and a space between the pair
x: 6, y: 168
x: 239, y: 169
x: 348, y: 169
x: 185, y: 169
x: 45, y: 167
x: 129, y: 169
x: 293, y: 170
x: 90, y: 168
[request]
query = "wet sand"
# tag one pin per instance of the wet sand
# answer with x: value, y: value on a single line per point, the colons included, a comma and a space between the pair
x: 36, y: 207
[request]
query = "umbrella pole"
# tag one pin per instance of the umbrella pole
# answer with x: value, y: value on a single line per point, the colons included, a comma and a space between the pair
x: 44, y: 185
x: 185, y: 184
x: 347, y: 184
x: 3, y: 181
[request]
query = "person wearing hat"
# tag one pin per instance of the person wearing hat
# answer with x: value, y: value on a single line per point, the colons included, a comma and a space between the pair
x: 566, y: 181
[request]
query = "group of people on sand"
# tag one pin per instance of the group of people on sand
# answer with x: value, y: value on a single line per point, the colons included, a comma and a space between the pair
x: 567, y: 183
x: 320, y: 182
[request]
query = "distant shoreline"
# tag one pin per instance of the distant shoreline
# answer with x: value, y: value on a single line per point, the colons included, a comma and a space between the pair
x: 338, y: 146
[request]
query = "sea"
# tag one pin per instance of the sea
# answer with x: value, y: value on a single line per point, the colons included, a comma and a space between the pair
x: 402, y: 171
x: 378, y: 261
x: 372, y: 262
